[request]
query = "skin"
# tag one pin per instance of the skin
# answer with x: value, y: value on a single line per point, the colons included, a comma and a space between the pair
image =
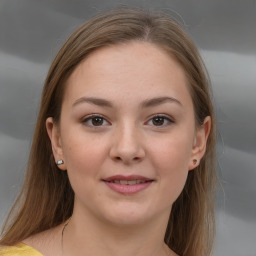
x: 127, y: 140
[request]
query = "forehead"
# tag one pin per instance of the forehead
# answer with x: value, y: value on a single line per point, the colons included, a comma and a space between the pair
x: 134, y: 70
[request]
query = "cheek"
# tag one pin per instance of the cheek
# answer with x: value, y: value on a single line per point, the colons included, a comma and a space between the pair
x: 83, y: 158
x: 83, y: 154
x: 171, y: 160
x: 173, y: 153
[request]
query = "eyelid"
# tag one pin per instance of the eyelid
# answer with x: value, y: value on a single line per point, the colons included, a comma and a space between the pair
x: 89, y: 117
x: 166, y: 117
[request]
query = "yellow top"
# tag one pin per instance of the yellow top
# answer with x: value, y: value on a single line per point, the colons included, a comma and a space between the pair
x: 20, y: 249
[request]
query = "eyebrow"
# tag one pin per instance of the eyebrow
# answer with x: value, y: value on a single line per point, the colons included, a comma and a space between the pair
x: 159, y: 100
x: 145, y: 104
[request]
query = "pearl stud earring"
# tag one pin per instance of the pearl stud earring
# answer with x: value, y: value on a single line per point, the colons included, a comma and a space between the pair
x: 59, y: 162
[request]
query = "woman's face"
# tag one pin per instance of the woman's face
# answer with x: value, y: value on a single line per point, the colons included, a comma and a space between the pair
x: 127, y: 133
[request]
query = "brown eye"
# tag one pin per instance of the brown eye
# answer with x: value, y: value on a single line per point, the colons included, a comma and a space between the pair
x: 160, y: 121
x: 94, y: 121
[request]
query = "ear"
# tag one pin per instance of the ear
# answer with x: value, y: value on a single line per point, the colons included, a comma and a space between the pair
x: 54, y: 135
x: 199, y: 145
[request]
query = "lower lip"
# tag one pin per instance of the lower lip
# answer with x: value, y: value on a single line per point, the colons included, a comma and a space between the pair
x: 128, y: 189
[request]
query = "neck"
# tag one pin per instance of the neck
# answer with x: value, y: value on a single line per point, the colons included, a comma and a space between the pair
x: 86, y: 235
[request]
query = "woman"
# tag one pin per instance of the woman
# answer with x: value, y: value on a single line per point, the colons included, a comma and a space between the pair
x: 122, y: 160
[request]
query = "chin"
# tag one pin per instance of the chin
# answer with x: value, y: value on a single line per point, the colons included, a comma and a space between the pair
x: 127, y: 221
x: 128, y: 216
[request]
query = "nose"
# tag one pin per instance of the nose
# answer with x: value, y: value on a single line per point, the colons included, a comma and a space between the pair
x: 126, y: 145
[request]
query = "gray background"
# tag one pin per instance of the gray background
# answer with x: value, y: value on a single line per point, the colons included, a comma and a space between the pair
x: 31, y: 32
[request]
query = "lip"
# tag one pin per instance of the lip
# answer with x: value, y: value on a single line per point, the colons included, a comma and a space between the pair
x: 128, y: 178
x: 126, y: 188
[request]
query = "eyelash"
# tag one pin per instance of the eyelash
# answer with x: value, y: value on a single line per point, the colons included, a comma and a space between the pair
x: 90, y: 118
x: 85, y: 120
x: 166, y: 118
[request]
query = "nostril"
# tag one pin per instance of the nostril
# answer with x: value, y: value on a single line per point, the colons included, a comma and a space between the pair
x: 127, y: 154
x: 118, y: 158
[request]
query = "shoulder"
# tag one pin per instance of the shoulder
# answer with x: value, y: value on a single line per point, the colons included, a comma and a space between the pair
x: 42, y: 244
x: 47, y: 242
x: 19, y: 249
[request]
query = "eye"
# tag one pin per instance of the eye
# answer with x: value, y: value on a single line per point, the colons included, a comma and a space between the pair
x: 95, y: 120
x: 160, y: 120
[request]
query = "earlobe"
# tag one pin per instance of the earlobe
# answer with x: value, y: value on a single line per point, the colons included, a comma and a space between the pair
x: 200, y: 142
x: 54, y: 135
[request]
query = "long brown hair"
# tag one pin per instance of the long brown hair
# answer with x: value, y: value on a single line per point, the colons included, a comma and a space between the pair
x: 47, y: 198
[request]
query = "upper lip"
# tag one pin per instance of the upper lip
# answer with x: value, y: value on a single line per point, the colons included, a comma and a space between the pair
x: 128, y: 178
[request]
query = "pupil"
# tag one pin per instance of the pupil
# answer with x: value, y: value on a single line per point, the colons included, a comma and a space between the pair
x: 97, y: 121
x: 158, y: 120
